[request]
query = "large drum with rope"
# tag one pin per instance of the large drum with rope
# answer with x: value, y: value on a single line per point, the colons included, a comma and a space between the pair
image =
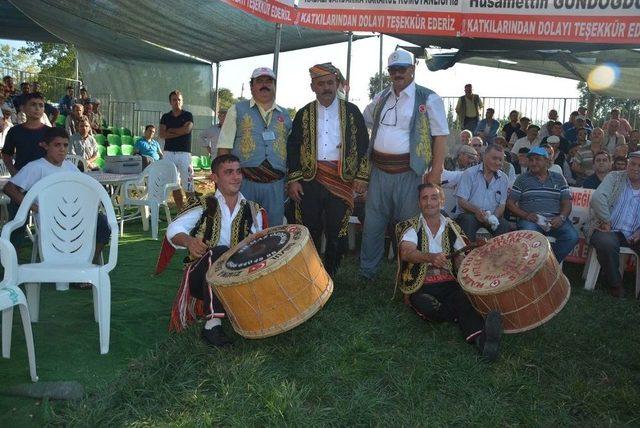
x: 518, y: 275
x: 271, y: 282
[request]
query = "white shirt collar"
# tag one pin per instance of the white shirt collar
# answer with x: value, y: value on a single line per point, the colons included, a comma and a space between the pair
x: 332, y: 107
x: 443, y: 223
x: 220, y: 197
x: 275, y: 106
x: 409, y: 91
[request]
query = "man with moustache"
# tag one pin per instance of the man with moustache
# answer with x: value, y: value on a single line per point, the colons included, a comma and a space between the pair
x: 327, y: 162
x: 407, y: 146
x: 256, y: 131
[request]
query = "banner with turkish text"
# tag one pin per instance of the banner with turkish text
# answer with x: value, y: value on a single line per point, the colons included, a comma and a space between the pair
x: 581, y: 21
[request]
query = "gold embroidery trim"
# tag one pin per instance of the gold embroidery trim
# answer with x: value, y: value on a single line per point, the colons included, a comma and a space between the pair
x: 247, y: 144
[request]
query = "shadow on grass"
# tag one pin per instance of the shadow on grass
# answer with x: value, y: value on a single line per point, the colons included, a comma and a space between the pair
x: 362, y: 360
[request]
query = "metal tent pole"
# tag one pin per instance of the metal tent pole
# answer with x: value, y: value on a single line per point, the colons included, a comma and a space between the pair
x: 380, y: 79
x: 349, y: 43
x: 217, y: 94
x: 276, y: 51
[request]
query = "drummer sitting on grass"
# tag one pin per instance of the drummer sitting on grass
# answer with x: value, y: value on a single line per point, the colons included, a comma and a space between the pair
x: 426, y: 273
x: 207, y: 229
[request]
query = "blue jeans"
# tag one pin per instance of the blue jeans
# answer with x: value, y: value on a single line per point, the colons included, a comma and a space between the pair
x: 566, y: 237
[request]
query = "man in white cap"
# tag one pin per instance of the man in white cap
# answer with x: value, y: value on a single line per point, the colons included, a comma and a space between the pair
x: 256, y: 131
x: 407, y: 146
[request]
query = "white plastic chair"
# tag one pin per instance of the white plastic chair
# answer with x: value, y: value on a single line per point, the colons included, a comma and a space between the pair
x: 11, y: 295
x: 593, y: 269
x: 77, y: 159
x: 68, y: 205
x: 161, y: 177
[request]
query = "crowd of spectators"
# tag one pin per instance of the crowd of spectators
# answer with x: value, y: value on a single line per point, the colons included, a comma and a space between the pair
x: 523, y: 172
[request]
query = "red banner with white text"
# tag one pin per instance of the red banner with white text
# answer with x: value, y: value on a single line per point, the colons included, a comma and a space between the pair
x: 580, y: 21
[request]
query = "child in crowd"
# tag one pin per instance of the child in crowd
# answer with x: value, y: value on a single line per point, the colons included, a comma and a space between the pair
x: 147, y: 146
x: 56, y: 145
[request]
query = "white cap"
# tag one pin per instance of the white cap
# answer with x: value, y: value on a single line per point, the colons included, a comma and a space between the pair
x: 554, y: 139
x: 263, y: 71
x: 400, y: 57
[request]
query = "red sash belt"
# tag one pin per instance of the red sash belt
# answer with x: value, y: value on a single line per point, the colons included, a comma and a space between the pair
x: 390, y: 163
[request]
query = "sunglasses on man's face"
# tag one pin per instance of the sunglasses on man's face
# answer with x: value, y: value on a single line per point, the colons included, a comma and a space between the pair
x: 398, y: 69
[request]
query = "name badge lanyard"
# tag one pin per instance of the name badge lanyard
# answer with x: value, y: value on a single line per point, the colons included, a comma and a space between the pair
x: 268, y: 135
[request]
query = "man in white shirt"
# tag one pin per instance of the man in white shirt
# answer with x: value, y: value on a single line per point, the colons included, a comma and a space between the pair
x: 529, y: 141
x: 408, y: 144
x: 428, y: 244
x: 207, y: 229
x: 209, y: 137
x: 327, y: 163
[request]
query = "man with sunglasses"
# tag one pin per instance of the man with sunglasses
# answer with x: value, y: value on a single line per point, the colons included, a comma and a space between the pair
x: 407, y: 146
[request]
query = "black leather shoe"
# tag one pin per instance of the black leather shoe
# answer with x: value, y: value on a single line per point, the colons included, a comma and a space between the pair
x: 215, y: 336
x: 492, y: 334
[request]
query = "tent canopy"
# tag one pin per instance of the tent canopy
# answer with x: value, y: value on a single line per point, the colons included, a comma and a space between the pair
x: 208, y: 29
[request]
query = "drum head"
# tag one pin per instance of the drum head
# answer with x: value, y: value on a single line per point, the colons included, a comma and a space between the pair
x: 504, y: 262
x: 258, y: 255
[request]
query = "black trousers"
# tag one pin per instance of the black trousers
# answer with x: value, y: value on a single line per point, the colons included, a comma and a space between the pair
x: 198, y: 286
x: 446, y: 301
x: 470, y: 124
x: 607, y: 245
x: 321, y: 212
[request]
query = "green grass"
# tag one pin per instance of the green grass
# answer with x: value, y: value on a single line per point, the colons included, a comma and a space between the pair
x: 362, y: 360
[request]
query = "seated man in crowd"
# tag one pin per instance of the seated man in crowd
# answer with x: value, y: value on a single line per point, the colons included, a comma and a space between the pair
x: 207, y: 229
x: 56, y: 145
x: 521, y: 131
x: 507, y: 166
x: 529, y: 141
x: 615, y: 220
x: 542, y: 202
x: 546, y: 129
x: 634, y: 141
x: 465, y: 137
x: 95, y: 120
x: 83, y: 144
x: 467, y: 156
x: 571, y: 123
x: 556, y: 131
x: 73, y: 120
x: 67, y: 102
x: 477, y: 144
x: 582, y: 163
x: 426, y: 274
x: 612, y: 138
x: 620, y: 163
x: 147, y: 146
x: 482, y: 195
x: 522, y: 164
x: 601, y: 166
x: 551, y: 165
x: 510, y: 127
x: 624, y: 128
x: 488, y: 127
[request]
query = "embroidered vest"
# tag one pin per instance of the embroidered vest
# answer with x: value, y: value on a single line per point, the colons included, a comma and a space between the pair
x: 208, y: 226
x: 410, y: 276
x: 420, y: 140
x: 249, y: 144
x: 348, y: 165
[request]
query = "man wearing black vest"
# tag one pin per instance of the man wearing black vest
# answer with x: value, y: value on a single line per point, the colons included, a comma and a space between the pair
x: 207, y: 229
x: 327, y: 163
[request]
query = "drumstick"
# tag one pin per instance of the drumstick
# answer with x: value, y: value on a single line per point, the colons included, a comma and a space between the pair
x: 467, y: 248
